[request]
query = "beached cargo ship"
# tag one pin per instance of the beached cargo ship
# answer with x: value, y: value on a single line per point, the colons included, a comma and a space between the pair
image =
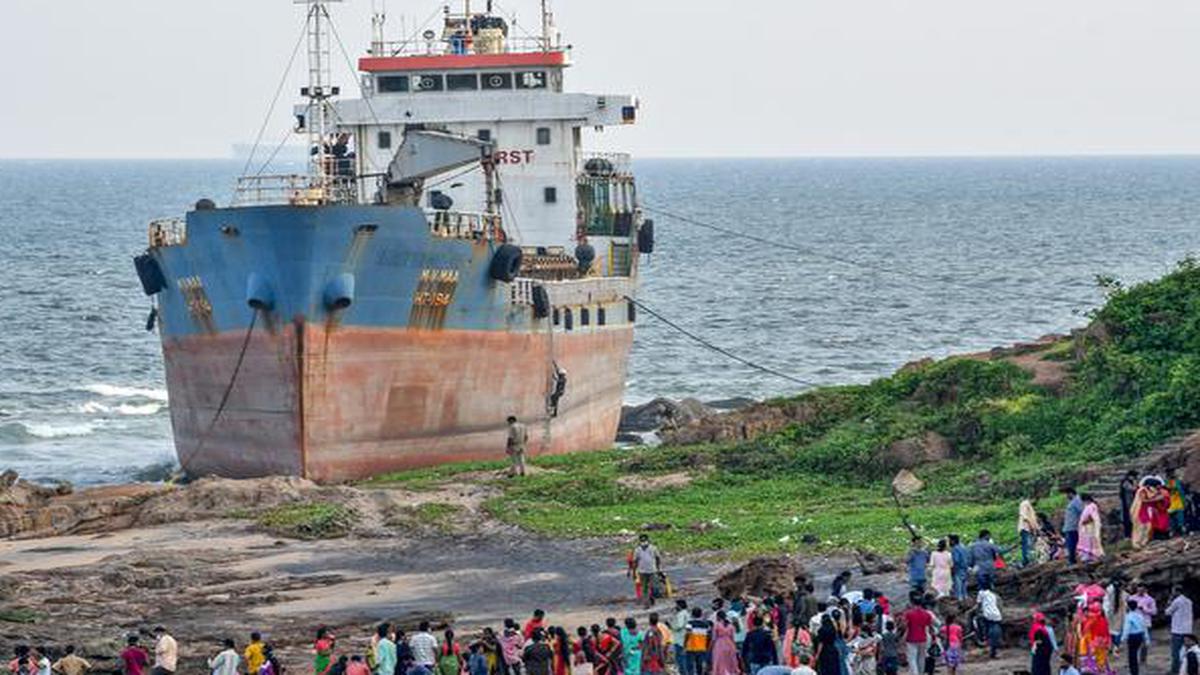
x: 452, y: 256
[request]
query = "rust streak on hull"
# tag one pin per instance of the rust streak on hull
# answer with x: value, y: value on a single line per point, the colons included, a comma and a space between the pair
x: 356, y: 402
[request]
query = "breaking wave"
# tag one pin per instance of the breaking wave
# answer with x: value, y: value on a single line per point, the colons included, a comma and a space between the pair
x: 117, y: 391
x: 98, y: 408
x: 32, y: 431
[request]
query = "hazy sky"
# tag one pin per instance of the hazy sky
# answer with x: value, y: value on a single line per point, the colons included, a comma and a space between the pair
x: 176, y: 78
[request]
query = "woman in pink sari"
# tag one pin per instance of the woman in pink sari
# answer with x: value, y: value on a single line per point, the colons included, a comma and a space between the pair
x: 1091, y: 543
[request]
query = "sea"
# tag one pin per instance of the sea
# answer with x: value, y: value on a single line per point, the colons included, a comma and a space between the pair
x: 852, y: 267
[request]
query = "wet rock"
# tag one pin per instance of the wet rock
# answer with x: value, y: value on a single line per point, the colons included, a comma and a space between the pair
x: 728, y: 404
x: 662, y: 413
x: 739, y: 425
x: 873, y: 563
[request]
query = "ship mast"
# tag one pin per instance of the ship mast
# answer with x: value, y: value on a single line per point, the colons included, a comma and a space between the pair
x: 378, y: 19
x: 319, y: 89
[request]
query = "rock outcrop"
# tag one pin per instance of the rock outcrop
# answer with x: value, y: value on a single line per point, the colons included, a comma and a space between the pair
x: 762, y: 577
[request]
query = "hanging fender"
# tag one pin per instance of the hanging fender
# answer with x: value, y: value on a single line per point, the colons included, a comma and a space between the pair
x: 150, y: 274
x: 645, y: 237
x: 541, y: 302
x: 506, y: 263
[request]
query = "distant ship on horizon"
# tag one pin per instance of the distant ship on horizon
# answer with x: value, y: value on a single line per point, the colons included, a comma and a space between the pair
x: 452, y: 256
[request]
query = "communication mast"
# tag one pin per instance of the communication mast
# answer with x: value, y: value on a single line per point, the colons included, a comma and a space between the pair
x: 320, y: 88
x: 378, y: 19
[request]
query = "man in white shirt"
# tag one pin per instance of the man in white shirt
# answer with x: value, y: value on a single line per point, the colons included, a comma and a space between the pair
x: 166, y: 652
x: 679, y: 633
x: 424, y: 647
x: 989, y: 611
x: 226, y: 661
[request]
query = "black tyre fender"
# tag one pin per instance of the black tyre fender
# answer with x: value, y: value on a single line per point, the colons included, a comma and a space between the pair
x: 506, y: 263
x: 541, y: 302
x: 645, y: 237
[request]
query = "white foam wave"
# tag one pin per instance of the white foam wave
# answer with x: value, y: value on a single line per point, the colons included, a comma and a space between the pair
x: 41, y: 430
x: 98, y: 408
x: 116, y: 391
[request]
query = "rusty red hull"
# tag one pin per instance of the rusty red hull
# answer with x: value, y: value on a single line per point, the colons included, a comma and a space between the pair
x: 337, y: 403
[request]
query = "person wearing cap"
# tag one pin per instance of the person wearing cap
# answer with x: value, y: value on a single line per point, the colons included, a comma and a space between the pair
x: 166, y: 652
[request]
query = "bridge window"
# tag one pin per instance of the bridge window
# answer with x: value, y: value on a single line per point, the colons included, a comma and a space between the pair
x: 543, y: 136
x: 557, y: 317
x: 497, y: 80
x: 484, y: 134
x: 392, y: 83
x: 531, y: 79
x: 585, y: 316
x: 428, y: 83
x: 601, y: 316
x: 385, y: 140
x: 551, y: 195
x: 462, y: 82
x: 568, y: 320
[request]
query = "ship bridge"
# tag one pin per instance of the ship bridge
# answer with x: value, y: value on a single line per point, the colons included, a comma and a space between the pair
x: 476, y: 81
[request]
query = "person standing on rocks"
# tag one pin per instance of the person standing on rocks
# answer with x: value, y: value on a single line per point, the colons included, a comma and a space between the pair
x: 1070, y: 526
x: 989, y: 611
x: 983, y: 557
x: 226, y: 661
x: 960, y: 558
x: 166, y: 652
x: 1027, y: 528
x: 1128, y: 490
x: 917, y: 625
x: 1180, y: 611
x: 918, y: 562
x: 518, y: 440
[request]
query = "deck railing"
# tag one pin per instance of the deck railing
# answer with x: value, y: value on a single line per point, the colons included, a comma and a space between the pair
x: 295, y: 189
x: 440, y: 45
x: 619, y: 163
x: 463, y: 224
x: 168, y: 232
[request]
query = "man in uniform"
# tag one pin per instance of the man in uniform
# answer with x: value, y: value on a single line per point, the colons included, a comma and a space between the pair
x: 518, y: 438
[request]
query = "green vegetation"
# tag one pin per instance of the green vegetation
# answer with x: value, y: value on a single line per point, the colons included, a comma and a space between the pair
x: 18, y: 615
x: 311, y: 520
x: 1134, y: 381
x: 431, y: 515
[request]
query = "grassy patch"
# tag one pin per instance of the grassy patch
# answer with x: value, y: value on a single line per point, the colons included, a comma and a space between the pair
x: 312, y: 520
x: 430, y: 478
x: 430, y: 515
x: 18, y: 615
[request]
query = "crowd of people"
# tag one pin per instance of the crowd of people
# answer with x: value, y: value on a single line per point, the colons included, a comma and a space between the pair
x: 1152, y: 508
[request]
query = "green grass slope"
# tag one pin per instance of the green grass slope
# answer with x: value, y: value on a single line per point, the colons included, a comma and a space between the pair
x: 1134, y: 380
